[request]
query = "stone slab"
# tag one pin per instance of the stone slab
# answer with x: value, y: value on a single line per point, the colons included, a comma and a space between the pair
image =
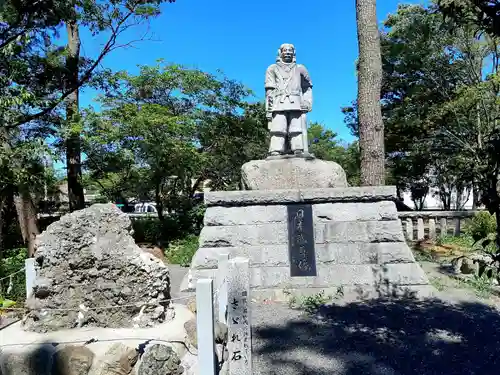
x: 278, y: 277
x: 360, y: 231
x: 347, y: 292
x: 292, y: 173
x: 277, y: 233
x: 325, y: 212
x: 249, y: 215
x: 15, y: 339
x: 332, y: 253
x: 242, y: 235
x: 290, y: 196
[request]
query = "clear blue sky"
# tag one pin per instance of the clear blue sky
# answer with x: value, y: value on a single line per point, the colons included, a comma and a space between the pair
x: 242, y: 38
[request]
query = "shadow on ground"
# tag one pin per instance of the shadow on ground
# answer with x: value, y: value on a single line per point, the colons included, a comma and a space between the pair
x: 384, y: 336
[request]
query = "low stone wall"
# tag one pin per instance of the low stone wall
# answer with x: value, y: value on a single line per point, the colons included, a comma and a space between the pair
x: 164, y: 349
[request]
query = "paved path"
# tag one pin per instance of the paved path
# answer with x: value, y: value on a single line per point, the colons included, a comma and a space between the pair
x: 379, y: 338
x: 177, y: 274
x: 453, y: 335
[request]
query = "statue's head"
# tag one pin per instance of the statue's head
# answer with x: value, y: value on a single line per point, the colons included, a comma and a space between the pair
x: 286, y: 53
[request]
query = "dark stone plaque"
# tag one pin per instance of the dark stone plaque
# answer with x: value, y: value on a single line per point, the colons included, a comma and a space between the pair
x: 301, y: 240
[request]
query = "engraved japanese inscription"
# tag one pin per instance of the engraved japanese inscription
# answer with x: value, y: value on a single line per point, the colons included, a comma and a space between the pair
x: 301, y: 241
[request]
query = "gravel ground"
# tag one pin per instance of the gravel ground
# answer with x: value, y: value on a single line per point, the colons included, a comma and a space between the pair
x: 379, y: 337
x: 455, y: 334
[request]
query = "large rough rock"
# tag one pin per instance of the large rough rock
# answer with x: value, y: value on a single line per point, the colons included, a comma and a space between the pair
x: 292, y: 173
x: 118, y: 360
x: 38, y: 360
x: 87, y: 263
x: 73, y: 360
x: 160, y: 359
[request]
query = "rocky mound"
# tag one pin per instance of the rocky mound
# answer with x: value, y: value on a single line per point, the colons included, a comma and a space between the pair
x: 87, y: 264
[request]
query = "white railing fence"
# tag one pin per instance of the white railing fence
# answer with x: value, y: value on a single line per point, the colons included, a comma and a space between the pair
x: 231, y: 300
x: 419, y: 225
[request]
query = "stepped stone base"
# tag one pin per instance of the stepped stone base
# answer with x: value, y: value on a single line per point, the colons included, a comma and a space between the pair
x: 359, y: 242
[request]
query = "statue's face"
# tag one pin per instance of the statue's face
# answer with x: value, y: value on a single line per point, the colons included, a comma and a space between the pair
x: 287, y: 53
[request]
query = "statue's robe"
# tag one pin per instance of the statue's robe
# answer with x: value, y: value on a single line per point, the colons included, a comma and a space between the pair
x: 289, y: 86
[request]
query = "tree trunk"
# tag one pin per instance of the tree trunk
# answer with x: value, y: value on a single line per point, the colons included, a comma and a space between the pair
x: 27, y: 217
x: 371, y: 126
x: 73, y: 142
x: 3, y: 201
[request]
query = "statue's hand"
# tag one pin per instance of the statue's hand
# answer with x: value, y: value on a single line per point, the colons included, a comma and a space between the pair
x: 269, y: 115
x: 305, y: 106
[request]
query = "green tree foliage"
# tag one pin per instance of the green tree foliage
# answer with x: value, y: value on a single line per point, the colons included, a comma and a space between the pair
x: 37, y: 75
x: 325, y: 145
x: 484, y: 14
x: 165, y: 131
x: 440, y: 106
x: 427, y: 71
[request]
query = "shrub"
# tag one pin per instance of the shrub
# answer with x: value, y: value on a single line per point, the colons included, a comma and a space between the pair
x: 147, y: 230
x: 182, y: 251
x: 481, y: 226
x: 12, y: 263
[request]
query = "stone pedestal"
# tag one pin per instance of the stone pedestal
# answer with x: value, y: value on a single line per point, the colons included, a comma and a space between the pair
x: 284, y: 172
x: 357, y: 241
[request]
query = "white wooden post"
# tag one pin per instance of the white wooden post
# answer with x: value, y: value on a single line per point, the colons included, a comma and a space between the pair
x: 29, y: 267
x: 409, y: 229
x: 457, y: 227
x: 420, y: 229
x: 444, y: 227
x: 205, y: 326
x: 238, y: 317
x: 432, y: 228
x: 223, y: 260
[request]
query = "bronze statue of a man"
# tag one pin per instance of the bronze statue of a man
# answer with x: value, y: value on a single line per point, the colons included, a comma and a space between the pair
x: 288, y: 99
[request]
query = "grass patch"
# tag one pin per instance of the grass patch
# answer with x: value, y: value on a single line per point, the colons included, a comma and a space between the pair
x: 182, y: 251
x: 464, y: 241
x: 12, y: 288
x: 311, y: 304
x: 423, y: 255
x: 437, y: 283
x: 482, y: 286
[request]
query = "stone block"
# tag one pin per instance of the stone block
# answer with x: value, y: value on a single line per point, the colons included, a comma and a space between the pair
x: 394, y: 252
x: 360, y: 231
x: 275, y: 255
x: 73, y: 360
x: 370, y: 211
x: 244, y: 235
x: 328, y: 275
x: 292, y: 173
x: 38, y: 360
x: 250, y: 215
x: 290, y: 196
x: 347, y: 253
x: 330, y: 253
x: 404, y: 274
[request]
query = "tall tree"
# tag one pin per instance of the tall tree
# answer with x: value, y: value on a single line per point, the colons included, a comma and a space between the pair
x: 485, y: 14
x: 371, y: 126
x: 168, y: 127
x: 73, y: 146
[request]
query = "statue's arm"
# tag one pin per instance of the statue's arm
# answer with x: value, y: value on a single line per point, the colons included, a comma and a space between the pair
x: 307, y: 85
x: 270, y: 86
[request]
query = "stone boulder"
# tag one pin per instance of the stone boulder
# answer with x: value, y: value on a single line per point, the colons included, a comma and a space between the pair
x: 471, y: 263
x: 87, y: 264
x: 160, y: 359
x: 292, y: 173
